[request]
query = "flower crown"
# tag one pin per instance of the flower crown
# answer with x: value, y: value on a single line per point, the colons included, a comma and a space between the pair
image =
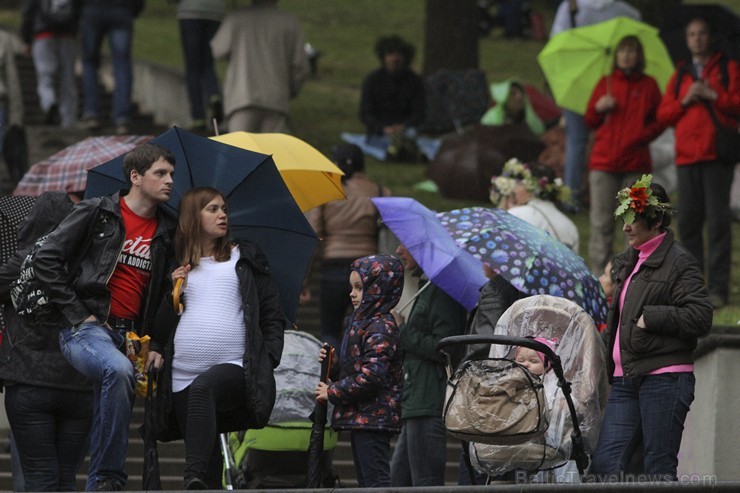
x: 514, y: 172
x: 639, y: 199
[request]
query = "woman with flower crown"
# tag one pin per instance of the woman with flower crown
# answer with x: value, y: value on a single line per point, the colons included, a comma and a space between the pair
x: 660, y: 306
x: 622, y: 112
x: 531, y: 192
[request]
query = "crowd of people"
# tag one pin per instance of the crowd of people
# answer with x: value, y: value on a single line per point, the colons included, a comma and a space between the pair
x: 132, y: 263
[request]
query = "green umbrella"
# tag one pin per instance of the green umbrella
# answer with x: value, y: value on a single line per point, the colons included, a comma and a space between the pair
x: 574, y: 60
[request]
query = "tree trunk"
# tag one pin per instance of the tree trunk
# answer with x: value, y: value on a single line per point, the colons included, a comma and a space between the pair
x: 450, y: 35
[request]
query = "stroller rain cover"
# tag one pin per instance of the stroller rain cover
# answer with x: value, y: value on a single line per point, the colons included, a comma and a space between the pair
x: 582, y: 355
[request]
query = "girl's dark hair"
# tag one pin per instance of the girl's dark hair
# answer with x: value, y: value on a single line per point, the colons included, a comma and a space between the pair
x: 662, y: 218
x: 395, y: 44
x: 634, y: 42
x: 349, y: 158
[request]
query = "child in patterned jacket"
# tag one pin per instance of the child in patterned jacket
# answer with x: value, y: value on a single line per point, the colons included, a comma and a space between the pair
x: 367, y: 392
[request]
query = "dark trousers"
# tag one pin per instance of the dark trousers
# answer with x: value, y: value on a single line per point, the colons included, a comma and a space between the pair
x: 202, y: 82
x: 371, y: 451
x: 334, y: 302
x: 704, y: 198
x: 51, y: 429
x: 218, y: 391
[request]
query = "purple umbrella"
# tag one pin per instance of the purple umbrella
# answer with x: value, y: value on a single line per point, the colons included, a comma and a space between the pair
x: 446, y: 265
x: 530, y: 259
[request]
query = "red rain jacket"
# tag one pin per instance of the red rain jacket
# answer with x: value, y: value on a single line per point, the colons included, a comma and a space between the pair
x: 695, y: 131
x: 623, y: 135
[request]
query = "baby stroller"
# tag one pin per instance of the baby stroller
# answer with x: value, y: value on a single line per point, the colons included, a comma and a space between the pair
x: 277, y: 455
x: 517, y: 421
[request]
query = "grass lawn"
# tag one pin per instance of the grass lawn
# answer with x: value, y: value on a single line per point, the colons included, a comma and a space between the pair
x: 344, y: 31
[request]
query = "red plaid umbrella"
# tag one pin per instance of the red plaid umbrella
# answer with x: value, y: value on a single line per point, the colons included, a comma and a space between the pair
x: 67, y: 169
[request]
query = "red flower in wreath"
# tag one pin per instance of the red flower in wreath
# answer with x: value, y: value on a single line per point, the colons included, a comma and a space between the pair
x: 639, y: 198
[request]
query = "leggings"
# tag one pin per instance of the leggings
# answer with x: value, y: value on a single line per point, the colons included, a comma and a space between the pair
x: 218, y: 391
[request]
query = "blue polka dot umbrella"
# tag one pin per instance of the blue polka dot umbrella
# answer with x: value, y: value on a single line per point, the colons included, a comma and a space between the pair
x: 530, y: 259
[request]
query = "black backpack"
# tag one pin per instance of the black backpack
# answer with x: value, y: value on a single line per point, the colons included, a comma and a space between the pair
x: 29, y: 299
x: 57, y: 13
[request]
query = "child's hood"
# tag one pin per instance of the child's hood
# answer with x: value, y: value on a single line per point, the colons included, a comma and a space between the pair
x: 382, y: 284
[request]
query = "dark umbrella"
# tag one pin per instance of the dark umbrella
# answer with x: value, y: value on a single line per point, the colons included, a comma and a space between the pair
x: 261, y: 208
x: 316, y: 441
x: 13, y: 210
x: 150, y: 479
x: 725, y: 27
x: 465, y: 163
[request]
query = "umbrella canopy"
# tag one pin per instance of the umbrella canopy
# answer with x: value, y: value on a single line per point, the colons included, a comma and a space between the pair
x: 530, y: 259
x: 310, y: 176
x: 574, y: 60
x: 261, y: 209
x: 444, y: 262
x: 13, y: 210
x: 465, y: 163
x: 150, y: 477
x: 67, y: 169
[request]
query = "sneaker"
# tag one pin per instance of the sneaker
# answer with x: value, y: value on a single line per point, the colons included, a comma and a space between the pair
x: 52, y: 116
x: 90, y: 123
x: 195, y: 484
x: 108, y: 484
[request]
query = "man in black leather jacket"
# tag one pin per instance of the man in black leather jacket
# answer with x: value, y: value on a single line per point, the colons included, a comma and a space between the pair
x: 122, y: 244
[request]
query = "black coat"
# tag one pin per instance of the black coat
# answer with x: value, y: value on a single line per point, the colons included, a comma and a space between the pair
x: 30, y: 354
x: 94, y: 230
x: 265, y: 323
x: 669, y: 292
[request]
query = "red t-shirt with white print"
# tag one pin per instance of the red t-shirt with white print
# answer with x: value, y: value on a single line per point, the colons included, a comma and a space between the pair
x: 131, y: 276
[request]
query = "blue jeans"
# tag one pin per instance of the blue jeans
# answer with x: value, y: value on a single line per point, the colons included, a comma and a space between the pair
x: 651, y: 409
x: 371, y: 451
x: 95, y: 351
x: 421, y: 453
x: 195, y: 37
x: 96, y: 22
x: 51, y: 428
x: 576, y: 140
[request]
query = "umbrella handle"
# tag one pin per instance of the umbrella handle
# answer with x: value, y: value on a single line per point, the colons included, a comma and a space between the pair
x: 326, y: 363
x: 176, y: 296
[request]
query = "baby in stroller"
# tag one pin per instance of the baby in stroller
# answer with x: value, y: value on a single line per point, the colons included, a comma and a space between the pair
x: 567, y: 397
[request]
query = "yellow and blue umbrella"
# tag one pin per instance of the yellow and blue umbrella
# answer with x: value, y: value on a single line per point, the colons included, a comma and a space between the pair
x: 310, y: 176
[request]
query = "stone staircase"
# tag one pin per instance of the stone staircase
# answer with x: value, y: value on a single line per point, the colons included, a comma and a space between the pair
x: 45, y: 140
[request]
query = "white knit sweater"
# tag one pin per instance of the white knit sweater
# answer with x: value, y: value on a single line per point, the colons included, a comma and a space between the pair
x: 211, y: 329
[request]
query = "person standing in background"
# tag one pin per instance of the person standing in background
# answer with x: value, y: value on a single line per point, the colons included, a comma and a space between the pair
x: 349, y: 230
x: 49, y: 32
x: 706, y: 83
x: 267, y: 66
x: 11, y: 98
x: 570, y: 14
x: 622, y: 111
x: 421, y: 451
x: 199, y: 20
x: 115, y: 19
